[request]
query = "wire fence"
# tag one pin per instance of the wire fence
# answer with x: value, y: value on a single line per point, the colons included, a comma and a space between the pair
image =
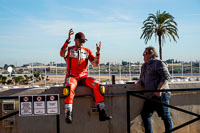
x: 55, y: 72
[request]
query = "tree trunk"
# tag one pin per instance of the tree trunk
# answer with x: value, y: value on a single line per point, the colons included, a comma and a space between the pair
x: 160, y: 46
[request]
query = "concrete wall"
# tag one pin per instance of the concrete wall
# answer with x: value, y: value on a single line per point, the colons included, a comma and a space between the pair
x: 86, y: 121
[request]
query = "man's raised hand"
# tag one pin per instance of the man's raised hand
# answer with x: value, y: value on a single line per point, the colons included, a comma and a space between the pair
x: 71, y: 33
x: 98, y: 46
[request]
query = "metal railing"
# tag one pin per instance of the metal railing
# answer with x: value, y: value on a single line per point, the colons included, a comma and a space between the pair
x: 137, y: 94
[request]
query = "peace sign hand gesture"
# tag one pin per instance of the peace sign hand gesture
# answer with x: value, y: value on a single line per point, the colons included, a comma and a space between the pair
x: 98, y: 46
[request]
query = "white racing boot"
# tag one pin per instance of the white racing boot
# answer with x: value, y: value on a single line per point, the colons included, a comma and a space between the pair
x: 68, y: 113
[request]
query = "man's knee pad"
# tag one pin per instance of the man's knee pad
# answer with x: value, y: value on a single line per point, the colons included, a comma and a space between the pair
x: 66, y: 91
x: 102, y: 89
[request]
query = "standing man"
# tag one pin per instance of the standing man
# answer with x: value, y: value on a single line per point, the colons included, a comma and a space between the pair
x: 76, y: 58
x: 154, y: 76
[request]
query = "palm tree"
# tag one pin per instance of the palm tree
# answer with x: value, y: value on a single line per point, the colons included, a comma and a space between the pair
x: 18, y: 79
x: 161, y: 25
x: 3, y: 80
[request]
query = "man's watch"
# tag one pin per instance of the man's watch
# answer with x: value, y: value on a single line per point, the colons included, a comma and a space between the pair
x: 68, y: 41
x: 97, y: 54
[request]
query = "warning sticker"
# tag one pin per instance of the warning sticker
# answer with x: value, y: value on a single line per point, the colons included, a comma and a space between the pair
x: 52, y: 104
x: 39, y: 105
x: 26, y: 105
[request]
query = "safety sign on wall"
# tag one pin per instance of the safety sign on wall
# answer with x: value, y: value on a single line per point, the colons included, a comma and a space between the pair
x: 52, y: 104
x: 26, y: 105
x: 39, y: 105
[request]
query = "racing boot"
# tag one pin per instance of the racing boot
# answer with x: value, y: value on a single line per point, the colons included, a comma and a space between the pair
x: 102, y: 113
x: 68, y: 113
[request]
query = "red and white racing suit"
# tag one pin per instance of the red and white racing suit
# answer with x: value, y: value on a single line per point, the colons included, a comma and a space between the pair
x: 77, y: 64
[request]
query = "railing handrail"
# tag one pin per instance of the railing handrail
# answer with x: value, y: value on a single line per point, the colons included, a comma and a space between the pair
x: 136, y: 92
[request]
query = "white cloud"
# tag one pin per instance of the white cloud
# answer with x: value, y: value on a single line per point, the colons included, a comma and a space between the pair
x: 95, y: 29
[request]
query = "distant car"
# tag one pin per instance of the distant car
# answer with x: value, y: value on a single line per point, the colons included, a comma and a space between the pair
x: 13, y: 87
x: 34, y: 86
x: 12, y: 75
x: 192, y: 79
x: 56, y: 85
x: 6, y: 87
x: 25, y: 86
x: 3, y: 88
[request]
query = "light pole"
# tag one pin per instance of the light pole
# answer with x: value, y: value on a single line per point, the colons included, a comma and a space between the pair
x: 182, y: 69
x: 199, y: 68
x: 130, y: 70
x: 191, y: 69
x: 32, y: 73
x: 120, y: 72
x: 109, y: 70
x: 45, y: 72
x: 56, y: 75
x: 172, y: 68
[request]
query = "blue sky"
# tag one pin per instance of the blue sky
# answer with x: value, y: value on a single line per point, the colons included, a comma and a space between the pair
x: 35, y: 30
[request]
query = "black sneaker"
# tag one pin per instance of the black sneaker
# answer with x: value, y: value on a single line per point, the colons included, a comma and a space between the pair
x: 102, y: 115
x: 68, y: 117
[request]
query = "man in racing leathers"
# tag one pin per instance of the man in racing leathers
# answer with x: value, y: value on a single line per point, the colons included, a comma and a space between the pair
x: 76, y: 58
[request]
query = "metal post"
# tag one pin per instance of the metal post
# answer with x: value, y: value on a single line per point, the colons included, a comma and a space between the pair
x: 113, y: 79
x: 58, y: 123
x: 130, y: 71
x: 191, y: 68
x: 45, y: 80
x: 172, y: 68
x: 182, y: 69
x: 32, y: 73
x: 128, y: 112
x: 120, y: 75
x: 56, y: 75
x: 199, y: 68
x: 109, y: 69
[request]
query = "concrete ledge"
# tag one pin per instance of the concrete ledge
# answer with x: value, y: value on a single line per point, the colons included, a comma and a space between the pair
x: 79, y: 91
x: 21, y: 91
